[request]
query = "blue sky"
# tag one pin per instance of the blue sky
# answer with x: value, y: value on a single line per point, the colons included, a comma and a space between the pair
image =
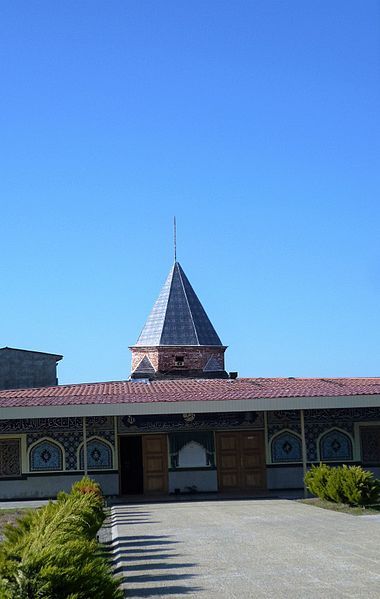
x: 255, y: 122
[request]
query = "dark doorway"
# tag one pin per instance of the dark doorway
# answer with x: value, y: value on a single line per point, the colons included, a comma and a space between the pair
x: 131, y: 465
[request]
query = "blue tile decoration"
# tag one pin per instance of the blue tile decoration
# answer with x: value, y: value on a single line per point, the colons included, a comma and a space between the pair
x: 178, y: 317
x: 315, y: 429
x: 67, y: 431
x: 46, y: 455
x: 318, y: 422
x: 286, y: 447
x: 71, y: 440
x: 99, y: 455
x: 335, y: 446
x: 277, y: 422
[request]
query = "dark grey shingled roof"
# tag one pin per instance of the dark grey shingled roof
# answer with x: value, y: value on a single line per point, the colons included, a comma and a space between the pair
x: 178, y: 317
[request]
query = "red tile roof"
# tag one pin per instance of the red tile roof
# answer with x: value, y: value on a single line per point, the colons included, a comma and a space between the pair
x: 121, y: 392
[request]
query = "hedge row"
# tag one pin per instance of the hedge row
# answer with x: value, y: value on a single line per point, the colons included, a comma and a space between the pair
x: 53, y: 553
x: 344, y: 484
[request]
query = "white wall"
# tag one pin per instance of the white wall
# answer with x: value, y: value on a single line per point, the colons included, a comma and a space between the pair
x: 204, y: 480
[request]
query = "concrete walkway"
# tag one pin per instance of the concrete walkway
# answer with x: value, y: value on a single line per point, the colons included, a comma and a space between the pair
x: 245, y: 549
x: 22, y: 504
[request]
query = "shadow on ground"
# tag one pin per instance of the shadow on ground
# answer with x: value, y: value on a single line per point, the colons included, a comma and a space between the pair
x: 149, y: 564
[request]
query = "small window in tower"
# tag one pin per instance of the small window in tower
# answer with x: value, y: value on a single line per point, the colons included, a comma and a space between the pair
x: 179, y: 361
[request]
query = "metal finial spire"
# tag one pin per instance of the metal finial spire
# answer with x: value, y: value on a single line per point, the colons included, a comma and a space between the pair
x: 175, y: 239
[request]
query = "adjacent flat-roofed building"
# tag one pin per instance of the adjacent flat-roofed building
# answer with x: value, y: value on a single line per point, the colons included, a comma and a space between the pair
x: 180, y: 423
x: 21, y: 368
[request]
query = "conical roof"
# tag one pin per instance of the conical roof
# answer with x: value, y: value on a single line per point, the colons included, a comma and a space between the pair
x: 178, y: 317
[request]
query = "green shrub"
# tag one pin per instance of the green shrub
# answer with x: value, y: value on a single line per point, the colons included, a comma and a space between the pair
x: 344, y: 484
x: 74, y: 568
x: 316, y: 480
x: 359, y: 486
x: 52, y: 553
x: 334, y: 486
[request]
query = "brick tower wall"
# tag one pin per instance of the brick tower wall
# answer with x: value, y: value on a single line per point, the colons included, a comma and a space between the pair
x: 163, y: 359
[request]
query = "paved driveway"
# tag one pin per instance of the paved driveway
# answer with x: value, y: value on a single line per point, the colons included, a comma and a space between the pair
x: 251, y: 548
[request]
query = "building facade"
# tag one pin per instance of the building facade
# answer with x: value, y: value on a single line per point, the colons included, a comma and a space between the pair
x: 181, y: 424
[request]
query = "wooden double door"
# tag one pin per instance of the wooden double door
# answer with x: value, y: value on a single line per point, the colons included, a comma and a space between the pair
x: 241, y: 461
x: 143, y: 464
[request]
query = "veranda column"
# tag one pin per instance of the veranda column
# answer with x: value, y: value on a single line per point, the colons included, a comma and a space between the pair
x: 116, y: 457
x: 304, y: 456
x: 85, y: 446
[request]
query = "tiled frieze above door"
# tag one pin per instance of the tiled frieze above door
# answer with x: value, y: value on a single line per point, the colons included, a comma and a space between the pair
x: 188, y: 422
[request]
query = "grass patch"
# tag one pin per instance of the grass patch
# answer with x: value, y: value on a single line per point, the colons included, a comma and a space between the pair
x: 342, y: 507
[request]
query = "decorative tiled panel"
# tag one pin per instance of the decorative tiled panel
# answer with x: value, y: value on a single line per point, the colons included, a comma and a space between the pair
x: 279, y: 420
x: 10, y: 458
x: 70, y: 440
x: 370, y: 442
x: 347, y: 415
x: 99, y: 455
x: 286, y: 447
x: 189, y: 422
x: 283, y: 417
x: 318, y: 422
x: 52, y: 424
x: 335, y: 446
x: 313, y: 431
x: 46, y: 455
x: 276, y: 428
